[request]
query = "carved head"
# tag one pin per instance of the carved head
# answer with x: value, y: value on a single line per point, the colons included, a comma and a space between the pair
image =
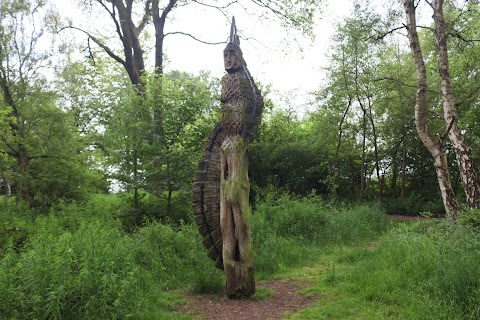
x: 232, y: 58
x: 232, y: 55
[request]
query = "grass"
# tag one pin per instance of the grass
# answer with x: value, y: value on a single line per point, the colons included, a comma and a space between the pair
x: 425, y: 270
x: 262, y: 294
x: 77, y: 262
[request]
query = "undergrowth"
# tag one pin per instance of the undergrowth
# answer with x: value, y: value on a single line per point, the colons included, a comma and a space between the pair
x: 78, y: 261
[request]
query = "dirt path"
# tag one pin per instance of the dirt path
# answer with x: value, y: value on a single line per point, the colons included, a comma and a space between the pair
x: 398, y: 217
x: 286, y: 299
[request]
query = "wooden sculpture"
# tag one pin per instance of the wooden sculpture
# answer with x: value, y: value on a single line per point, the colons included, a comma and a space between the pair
x: 221, y: 189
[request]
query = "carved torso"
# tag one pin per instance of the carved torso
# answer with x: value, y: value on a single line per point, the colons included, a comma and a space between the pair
x: 236, y: 95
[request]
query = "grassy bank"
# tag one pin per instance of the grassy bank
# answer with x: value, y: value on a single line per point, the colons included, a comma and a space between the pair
x: 422, y: 270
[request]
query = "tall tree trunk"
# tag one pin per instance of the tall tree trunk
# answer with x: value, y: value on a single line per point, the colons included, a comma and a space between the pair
x: 375, y: 151
x: 434, y: 145
x: 135, y: 179
x: 363, y: 186
x: 159, y: 20
x: 466, y: 166
x: 24, y: 185
x: 169, y: 191
x: 334, y: 172
x: 6, y: 185
x: 404, y: 169
x: 393, y: 182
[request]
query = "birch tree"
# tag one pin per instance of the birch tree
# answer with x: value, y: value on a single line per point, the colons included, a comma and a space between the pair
x: 466, y: 165
x: 434, y: 144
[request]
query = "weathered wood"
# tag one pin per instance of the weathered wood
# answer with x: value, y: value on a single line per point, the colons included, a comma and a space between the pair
x: 209, y: 242
x: 199, y: 209
x: 206, y: 187
x: 208, y: 220
x: 198, y: 198
x: 207, y: 229
x: 221, y: 188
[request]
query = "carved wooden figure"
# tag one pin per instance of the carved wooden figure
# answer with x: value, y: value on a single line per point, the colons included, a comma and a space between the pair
x: 221, y: 190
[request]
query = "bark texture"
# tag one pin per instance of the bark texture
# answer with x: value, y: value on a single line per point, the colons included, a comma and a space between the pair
x: 436, y: 146
x: 234, y: 218
x: 467, y: 170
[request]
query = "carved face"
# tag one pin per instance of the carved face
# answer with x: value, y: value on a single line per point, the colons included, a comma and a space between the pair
x: 230, y: 60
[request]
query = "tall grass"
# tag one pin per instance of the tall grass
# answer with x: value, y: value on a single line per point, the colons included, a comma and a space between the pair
x: 84, y: 274
x: 430, y: 270
x: 290, y: 232
x: 77, y: 262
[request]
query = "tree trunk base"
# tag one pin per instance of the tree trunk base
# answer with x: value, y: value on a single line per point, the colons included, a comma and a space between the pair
x: 240, y: 280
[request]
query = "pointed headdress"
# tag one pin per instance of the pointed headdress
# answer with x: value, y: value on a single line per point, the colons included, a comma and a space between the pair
x: 233, y: 43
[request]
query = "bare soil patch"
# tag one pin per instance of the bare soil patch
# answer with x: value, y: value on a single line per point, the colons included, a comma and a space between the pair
x: 399, y: 217
x: 286, y: 299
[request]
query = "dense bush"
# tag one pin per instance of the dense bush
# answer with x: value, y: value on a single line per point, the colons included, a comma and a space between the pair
x: 87, y: 273
x: 313, y: 221
x: 413, y: 205
x: 77, y: 262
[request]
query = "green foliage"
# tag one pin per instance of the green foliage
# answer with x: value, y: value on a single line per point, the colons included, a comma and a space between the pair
x: 176, y: 211
x: 76, y: 261
x: 470, y: 217
x: 40, y: 149
x: 174, y: 256
x: 15, y: 226
x: 288, y: 156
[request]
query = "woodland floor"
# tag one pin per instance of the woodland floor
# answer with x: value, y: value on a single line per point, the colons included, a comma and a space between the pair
x: 287, y: 299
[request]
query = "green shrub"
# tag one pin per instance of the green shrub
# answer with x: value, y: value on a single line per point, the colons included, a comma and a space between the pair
x: 84, y: 274
x: 15, y: 226
x: 471, y: 217
x: 175, y: 257
x: 412, y: 205
x: 311, y: 221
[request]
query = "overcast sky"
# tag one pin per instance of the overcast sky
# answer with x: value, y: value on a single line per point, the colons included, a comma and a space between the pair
x: 273, y: 57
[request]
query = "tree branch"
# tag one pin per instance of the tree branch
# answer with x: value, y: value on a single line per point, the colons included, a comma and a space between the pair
x: 193, y: 37
x: 114, y: 18
x: 457, y: 35
x: 167, y: 9
x: 383, y: 35
x: 450, y: 125
x: 215, y: 7
x: 276, y: 12
x: 468, y: 96
x: 98, y: 42
x: 145, y: 18
x: 397, y: 81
